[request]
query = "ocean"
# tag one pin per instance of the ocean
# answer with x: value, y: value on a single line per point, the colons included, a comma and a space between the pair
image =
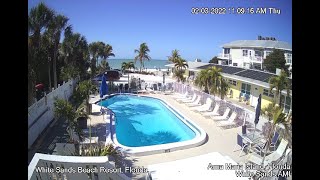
x: 152, y: 64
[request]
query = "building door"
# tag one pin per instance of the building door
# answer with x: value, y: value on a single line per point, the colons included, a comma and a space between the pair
x: 255, y: 96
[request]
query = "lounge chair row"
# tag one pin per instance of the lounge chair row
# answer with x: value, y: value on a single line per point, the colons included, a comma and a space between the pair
x: 205, y: 109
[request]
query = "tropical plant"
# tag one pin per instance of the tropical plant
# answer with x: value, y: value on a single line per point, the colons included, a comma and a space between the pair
x: 107, y: 51
x: 142, y: 54
x: 216, y: 78
x: 223, y: 88
x: 94, y: 49
x: 68, y: 73
x: 203, y: 80
x: 178, y: 73
x: 104, y: 66
x: 38, y: 20
x: 180, y: 64
x: 211, y: 79
x: 270, y: 110
x: 280, y: 83
x: 127, y: 65
x: 277, y: 118
x: 104, y: 150
x: 214, y: 60
x: 58, y: 24
x: 63, y: 109
x: 75, y: 52
x: 84, y: 89
x: 274, y: 60
x: 174, y: 56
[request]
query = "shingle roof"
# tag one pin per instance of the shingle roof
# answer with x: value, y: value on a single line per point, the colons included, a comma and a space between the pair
x: 259, y: 44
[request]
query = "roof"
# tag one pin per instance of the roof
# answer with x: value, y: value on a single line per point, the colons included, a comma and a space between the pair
x: 249, y: 75
x: 259, y: 44
x: 191, y: 65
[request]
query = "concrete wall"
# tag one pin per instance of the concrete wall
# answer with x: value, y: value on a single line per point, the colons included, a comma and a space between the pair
x: 41, y: 113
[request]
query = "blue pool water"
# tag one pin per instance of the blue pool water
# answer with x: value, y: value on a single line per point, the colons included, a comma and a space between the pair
x: 144, y: 121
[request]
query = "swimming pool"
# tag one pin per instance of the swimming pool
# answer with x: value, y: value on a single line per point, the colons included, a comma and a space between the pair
x: 145, y: 124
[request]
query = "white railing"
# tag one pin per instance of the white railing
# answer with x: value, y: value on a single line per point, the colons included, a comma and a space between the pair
x: 257, y: 58
x: 224, y: 56
x: 45, y: 167
x: 41, y: 113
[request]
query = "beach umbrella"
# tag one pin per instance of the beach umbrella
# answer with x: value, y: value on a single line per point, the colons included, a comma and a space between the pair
x: 258, y: 110
x: 39, y: 86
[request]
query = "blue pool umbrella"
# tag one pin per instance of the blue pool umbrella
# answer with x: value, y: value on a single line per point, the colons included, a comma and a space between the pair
x: 103, y: 86
x: 258, y: 110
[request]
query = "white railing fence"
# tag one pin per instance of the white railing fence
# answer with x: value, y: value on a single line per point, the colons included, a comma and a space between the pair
x: 41, y: 113
x: 46, y: 167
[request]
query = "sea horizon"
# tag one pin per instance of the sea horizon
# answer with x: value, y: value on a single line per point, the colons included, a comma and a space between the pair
x: 152, y: 64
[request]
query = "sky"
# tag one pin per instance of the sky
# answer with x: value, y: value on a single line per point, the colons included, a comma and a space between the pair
x: 166, y: 25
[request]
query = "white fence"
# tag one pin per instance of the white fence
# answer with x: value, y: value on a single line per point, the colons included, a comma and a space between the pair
x: 51, y: 168
x: 41, y: 113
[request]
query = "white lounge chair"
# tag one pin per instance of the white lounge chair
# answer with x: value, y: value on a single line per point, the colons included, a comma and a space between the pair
x: 230, y: 121
x: 204, y: 107
x: 143, y: 88
x: 188, y: 98
x: 223, y: 117
x: 273, y: 157
x: 194, y: 97
x: 214, y: 112
x: 195, y: 103
x: 179, y: 96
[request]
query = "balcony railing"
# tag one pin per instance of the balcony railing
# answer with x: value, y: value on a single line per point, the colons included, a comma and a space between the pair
x: 224, y: 56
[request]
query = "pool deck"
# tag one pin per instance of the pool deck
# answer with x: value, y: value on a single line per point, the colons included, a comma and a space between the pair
x: 218, y: 140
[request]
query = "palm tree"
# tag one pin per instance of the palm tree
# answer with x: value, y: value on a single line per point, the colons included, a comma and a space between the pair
x: 107, y: 52
x: 75, y: 52
x: 94, y: 50
x: 202, y: 80
x: 38, y: 20
x: 215, y: 78
x: 174, y: 56
x: 124, y: 66
x: 56, y: 26
x: 223, y: 88
x: 142, y: 54
x: 131, y: 65
x: 180, y: 63
x: 280, y: 82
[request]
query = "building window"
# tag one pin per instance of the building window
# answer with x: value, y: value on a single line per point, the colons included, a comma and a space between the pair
x: 235, y: 64
x: 230, y: 61
x: 286, y: 103
x: 232, y: 82
x: 289, y: 58
x: 267, y: 53
x: 226, y: 51
x: 268, y: 93
x: 245, y: 52
x: 257, y: 53
x: 245, y: 88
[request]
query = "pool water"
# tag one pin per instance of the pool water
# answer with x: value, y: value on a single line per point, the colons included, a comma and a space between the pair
x: 145, y: 121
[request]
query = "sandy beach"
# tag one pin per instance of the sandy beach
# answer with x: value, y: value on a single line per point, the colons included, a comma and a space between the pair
x: 158, y: 78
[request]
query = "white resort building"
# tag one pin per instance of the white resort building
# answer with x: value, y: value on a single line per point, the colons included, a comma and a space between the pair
x: 252, y: 53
